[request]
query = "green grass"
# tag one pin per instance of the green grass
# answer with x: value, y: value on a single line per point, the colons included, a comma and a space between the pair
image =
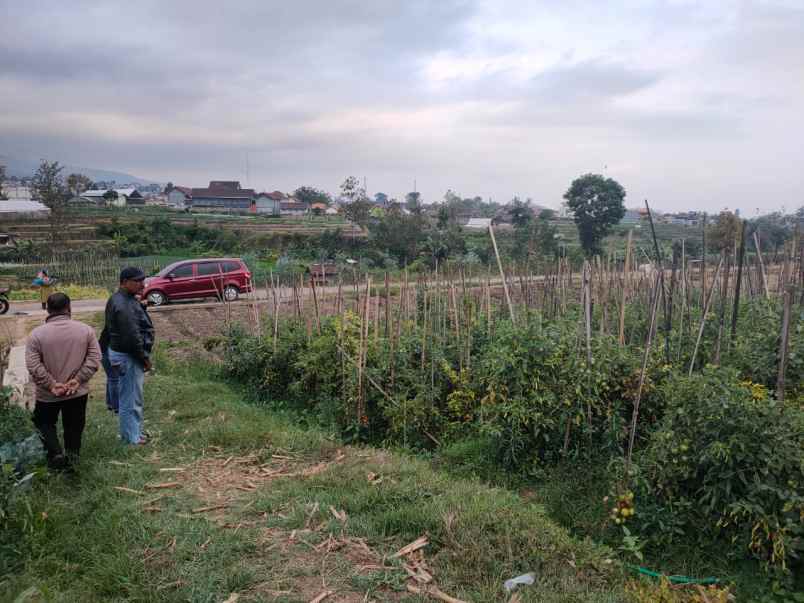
x: 86, y: 541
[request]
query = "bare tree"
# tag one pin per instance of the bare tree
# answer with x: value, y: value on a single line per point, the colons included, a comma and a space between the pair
x: 78, y: 183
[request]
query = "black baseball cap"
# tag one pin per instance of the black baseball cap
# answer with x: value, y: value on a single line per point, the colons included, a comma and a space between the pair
x: 131, y: 273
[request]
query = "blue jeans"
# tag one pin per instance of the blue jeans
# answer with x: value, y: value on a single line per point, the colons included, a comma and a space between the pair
x: 112, y: 383
x: 132, y: 375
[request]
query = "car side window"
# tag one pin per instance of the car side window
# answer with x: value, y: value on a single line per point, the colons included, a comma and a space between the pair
x: 231, y: 267
x: 208, y: 269
x: 182, y: 271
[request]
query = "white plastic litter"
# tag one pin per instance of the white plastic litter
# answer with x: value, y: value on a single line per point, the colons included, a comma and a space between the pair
x: 523, y: 580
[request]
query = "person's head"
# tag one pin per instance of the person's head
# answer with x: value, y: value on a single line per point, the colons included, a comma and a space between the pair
x: 131, y: 279
x: 58, y: 303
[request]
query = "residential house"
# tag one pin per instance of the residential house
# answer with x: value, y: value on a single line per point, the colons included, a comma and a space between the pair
x: 223, y: 195
x: 180, y: 197
x: 630, y: 218
x: 319, y: 208
x: 331, y: 211
x: 293, y: 207
x: 688, y: 218
x: 267, y: 204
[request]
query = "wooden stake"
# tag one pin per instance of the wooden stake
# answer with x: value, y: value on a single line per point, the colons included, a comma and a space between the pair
x: 643, y: 372
x: 703, y: 316
x: 788, y: 301
x: 739, y: 280
x: 502, y: 274
x: 761, y: 266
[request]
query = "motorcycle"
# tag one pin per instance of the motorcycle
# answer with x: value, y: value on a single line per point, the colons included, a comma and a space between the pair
x: 4, y: 305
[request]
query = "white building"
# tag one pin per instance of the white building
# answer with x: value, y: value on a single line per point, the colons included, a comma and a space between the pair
x: 23, y: 209
x: 122, y: 197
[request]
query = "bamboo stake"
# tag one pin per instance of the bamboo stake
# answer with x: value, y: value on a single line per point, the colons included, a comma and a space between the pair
x: 788, y: 300
x: 703, y: 260
x: 626, y: 280
x: 724, y: 294
x: 315, y: 304
x: 276, y: 312
x: 587, y: 303
x: 502, y: 274
x: 387, y: 307
x: 642, y: 373
x: 740, y: 261
x: 761, y: 266
x: 703, y: 316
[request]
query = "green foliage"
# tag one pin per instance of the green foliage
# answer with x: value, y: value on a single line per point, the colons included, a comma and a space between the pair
x: 15, y: 421
x: 400, y: 235
x: 597, y: 204
x: 48, y: 184
x: 717, y: 458
x: 724, y: 463
x: 160, y: 236
x: 724, y: 234
x: 309, y: 194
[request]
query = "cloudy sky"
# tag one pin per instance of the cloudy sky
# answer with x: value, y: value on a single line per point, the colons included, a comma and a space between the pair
x: 693, y: 105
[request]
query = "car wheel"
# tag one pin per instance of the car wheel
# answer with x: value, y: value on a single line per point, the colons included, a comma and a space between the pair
x: 157, y: 298
x: 3, y: 306
x: 230, y: 293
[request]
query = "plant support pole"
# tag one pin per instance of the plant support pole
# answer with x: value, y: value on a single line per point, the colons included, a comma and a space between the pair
x: 645, y: 358
x: 502, y: 274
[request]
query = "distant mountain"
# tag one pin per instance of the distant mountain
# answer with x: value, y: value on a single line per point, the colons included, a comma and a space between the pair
x: 24, y: 168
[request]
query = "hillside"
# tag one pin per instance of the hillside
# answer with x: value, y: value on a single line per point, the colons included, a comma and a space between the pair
x: 17, y: 167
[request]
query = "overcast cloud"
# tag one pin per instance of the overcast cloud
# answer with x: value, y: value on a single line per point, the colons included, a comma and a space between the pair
x: 693, y: 105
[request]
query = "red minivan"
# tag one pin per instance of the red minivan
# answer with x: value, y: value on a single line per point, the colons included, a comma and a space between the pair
x: 223, y: 278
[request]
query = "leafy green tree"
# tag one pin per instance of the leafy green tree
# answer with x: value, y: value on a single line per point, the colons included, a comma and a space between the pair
x: 443, y: 217
x: 358, y: 211
x: 547, y: 215
x: 520, y: 212
x: 774, y: 229
x: 310, y: 195
x: 724, y: 233
x: 597, y: 204
x: 48, y: 185
x: 380, y: 199
x: 399, y: 235
x: 413, y: 202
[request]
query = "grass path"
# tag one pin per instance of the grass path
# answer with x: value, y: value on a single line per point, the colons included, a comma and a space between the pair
x: 230, y: 502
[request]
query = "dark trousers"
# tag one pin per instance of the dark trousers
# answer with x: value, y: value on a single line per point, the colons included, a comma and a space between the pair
x: 73, y: 418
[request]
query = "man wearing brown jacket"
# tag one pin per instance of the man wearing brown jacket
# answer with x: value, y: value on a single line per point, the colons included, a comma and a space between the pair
x: 62, y: 356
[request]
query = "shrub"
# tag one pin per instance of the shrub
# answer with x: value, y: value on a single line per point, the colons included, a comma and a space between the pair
x: 15, y: 422
x: 725, y: 461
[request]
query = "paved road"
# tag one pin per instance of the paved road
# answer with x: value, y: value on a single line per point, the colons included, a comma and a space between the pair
x: 285, y: 294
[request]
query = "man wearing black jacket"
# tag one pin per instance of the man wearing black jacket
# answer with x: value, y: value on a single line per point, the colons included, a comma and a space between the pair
x: 130, y: 336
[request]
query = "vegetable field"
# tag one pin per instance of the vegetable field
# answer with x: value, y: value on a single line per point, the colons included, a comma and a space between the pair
x: 681, y: 382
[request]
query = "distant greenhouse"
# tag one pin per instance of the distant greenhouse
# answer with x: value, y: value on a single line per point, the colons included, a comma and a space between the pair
x: 21, y: 209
